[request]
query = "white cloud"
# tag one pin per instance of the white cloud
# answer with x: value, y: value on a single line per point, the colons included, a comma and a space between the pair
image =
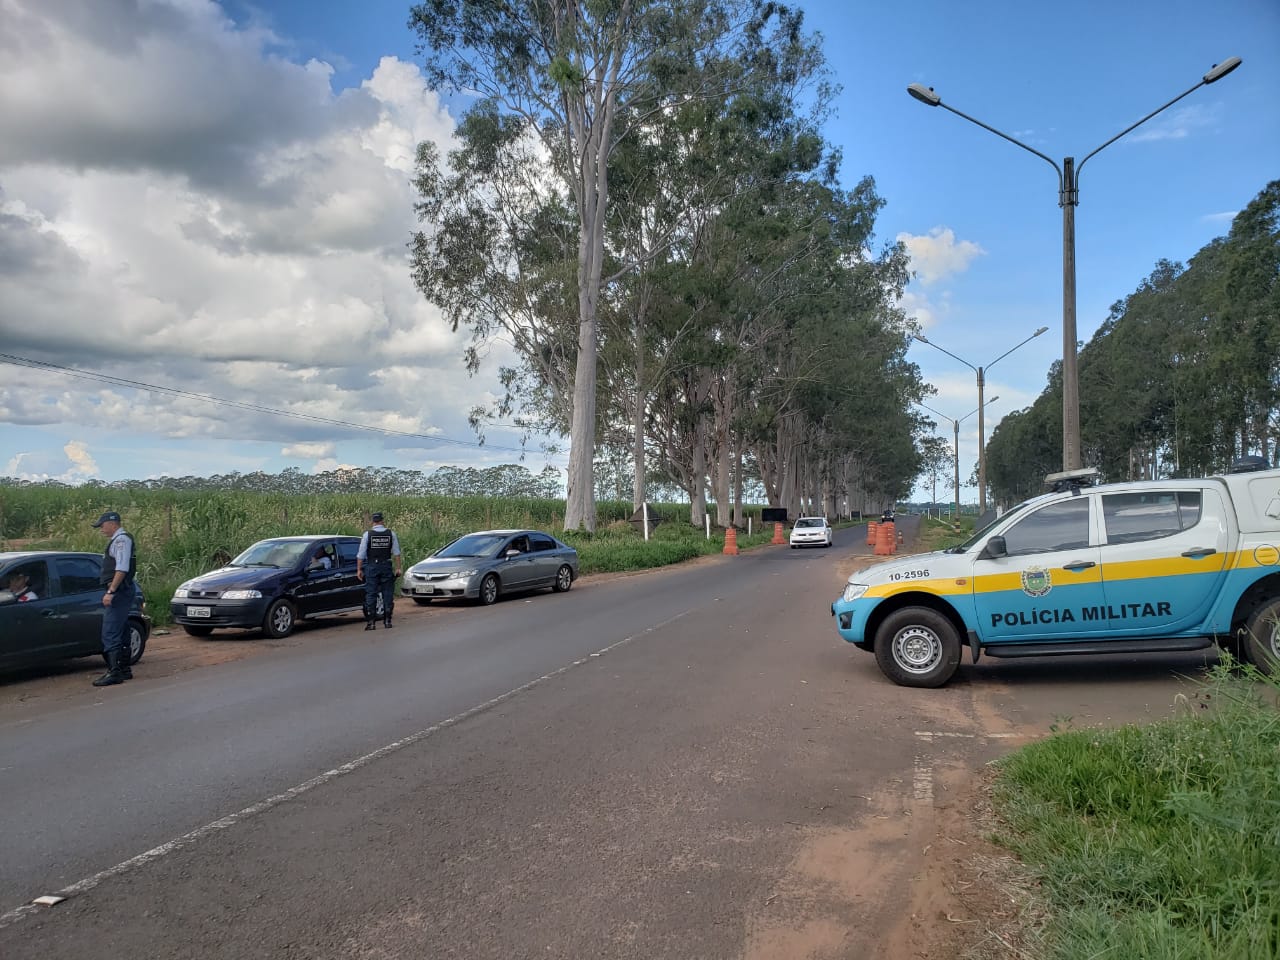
x: 14, y: 467
x: 308, y: 451
x: 82, y: 462
x: 75, y: 465
x: 182, y: 205
x: 937, y: 254
x: 329, y: 464
x: 1225, y: 217
x: 1176, y: 125
x: 922, y: 308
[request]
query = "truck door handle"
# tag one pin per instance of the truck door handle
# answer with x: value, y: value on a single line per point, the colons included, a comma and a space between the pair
x: 1078, y: 565
x: 1195, y: 553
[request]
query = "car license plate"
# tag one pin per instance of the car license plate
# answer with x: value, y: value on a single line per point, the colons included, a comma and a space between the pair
x: 199, y: 612
x: 424, y: 589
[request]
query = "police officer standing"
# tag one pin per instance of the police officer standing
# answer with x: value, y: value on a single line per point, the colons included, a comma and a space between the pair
x: 379, y: 547
x: 119, y: 567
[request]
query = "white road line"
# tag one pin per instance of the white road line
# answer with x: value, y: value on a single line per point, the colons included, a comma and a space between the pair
x: 188, y: 839
x: 922, y: 779
x: 922, y: 773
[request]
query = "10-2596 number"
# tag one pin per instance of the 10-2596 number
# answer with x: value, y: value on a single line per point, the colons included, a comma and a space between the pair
x: 910, y: 575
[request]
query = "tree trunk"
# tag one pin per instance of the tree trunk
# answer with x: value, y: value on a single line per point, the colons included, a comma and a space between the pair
x: 589, y: 138
x: 698, y: 477
x: 737, y: 485
x: 724, y: 416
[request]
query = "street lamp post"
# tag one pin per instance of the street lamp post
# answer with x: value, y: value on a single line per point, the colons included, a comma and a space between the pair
x: 955, y: 443
x: 1068, y: 199
x: 982, y: 435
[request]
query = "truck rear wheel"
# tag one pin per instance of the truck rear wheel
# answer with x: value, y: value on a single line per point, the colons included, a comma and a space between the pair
x: 1260, y: 642
x: 917, y: 647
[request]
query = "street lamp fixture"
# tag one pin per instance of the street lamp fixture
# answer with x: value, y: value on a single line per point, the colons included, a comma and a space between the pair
x: 1068, y: 200
x: 982, y: 435
x: 955, y: 442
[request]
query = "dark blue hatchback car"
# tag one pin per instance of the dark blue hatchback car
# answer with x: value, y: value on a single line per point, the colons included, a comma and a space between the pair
x: 273, y: 585
x: 51, y: 609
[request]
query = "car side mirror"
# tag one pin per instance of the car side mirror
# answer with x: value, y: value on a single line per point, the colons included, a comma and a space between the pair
x: 512, y: 553
x: 7, y: 596
x: 995, y: 547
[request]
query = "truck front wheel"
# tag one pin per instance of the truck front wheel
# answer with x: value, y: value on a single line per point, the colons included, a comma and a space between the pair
x: 917, y: 647
x: 1260, y: 641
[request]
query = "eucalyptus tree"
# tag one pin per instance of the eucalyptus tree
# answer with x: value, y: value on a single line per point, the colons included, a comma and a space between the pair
x: 559, y: 84
x: 1244, y: 297
x: 1181, y: 378
x: 937, y: 464
x: 1025, y: 447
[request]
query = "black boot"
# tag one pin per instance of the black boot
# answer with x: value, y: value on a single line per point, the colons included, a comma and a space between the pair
x: 371, y: 625
x: 387, y: 623
x: 126, y: 671
x: 113, y: 674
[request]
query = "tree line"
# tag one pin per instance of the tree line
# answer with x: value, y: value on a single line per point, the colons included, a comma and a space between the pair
x: 1182, y: 379
x: 507, y: 481
x: 642, y: 202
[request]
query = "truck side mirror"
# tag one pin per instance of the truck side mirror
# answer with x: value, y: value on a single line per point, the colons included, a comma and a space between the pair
x: 995, y: 548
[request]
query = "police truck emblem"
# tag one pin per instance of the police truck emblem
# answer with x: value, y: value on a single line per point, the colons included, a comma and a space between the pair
x: 1036, y: 582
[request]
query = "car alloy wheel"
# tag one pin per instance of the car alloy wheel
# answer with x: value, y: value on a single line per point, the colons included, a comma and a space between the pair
x: 279, y: 620
x: 564, y: 579
x: 489, y: 589
x: 137, y: 641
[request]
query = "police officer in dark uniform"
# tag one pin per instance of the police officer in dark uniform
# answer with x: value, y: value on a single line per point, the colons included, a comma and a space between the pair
x: 379, y: 552
x: 119, y: 568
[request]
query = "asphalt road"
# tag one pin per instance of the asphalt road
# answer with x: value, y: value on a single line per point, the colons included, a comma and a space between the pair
x: 687, y: 763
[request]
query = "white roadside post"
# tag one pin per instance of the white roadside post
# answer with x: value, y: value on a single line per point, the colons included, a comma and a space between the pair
x: 644, y: 507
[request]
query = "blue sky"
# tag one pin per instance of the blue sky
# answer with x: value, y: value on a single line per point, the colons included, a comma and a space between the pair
x: 214, y: 198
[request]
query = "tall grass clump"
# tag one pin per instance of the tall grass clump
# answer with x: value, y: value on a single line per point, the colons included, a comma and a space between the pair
x: 1158, y: 841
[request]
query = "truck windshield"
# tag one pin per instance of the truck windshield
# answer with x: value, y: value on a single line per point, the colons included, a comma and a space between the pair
x: 982, y: 534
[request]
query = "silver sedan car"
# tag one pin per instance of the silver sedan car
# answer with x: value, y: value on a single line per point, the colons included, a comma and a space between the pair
x: 483, y: 566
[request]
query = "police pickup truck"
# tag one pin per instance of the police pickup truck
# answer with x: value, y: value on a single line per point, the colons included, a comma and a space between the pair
x: 1113, y: 568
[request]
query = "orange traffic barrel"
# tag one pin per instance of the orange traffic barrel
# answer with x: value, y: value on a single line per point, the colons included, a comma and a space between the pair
x: 871, y: 533
x: 731, y: 541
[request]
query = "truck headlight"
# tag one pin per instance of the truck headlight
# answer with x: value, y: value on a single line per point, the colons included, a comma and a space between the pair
x: 852, y: 591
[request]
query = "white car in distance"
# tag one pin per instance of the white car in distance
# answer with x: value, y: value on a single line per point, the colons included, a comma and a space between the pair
x: 811, y: 532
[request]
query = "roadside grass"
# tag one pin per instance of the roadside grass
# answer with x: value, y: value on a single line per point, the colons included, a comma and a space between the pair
x: 1156, y: 841
x: 938, y: 534
x: 181, y: 534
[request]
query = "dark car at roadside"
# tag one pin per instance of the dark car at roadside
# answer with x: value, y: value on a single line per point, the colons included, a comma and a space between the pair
x: 272, y: 585
x: 61, y: 615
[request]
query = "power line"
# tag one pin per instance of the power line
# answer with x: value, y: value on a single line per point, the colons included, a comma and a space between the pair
x: 242, y: 404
